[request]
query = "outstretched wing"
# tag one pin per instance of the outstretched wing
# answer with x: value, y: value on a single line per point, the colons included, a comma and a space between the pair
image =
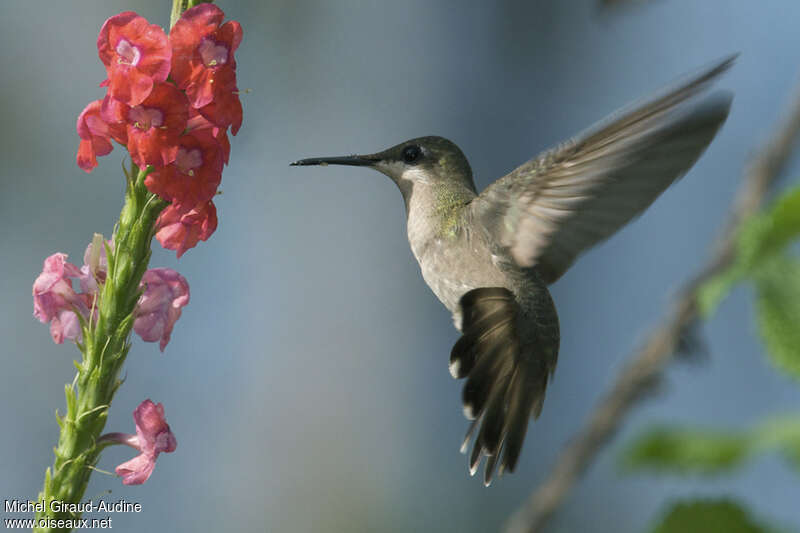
x: 550, y: 209
x: 506, y: 374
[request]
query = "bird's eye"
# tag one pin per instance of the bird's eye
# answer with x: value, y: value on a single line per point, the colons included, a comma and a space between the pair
x: 411, y: 154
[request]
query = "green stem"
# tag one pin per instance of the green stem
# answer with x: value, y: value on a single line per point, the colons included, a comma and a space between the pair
x: 106, y: 345
x: 179, y: 6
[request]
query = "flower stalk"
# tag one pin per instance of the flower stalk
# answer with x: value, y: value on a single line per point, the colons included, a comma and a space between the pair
x: 179, y: 6
x: 106, y: 344
x: 170, y: 101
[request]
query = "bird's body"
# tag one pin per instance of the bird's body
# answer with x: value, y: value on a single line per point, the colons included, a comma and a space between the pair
x: 489, y: 257
x: 453, y: 257
x: 456, y: 254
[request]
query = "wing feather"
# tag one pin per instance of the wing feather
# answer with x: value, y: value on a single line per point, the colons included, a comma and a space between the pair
x: 552, y: 208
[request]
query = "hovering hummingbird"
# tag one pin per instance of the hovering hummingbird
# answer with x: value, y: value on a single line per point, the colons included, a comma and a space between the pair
x: 489, y: 257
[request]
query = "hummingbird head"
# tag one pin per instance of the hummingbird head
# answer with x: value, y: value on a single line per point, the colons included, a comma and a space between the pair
x: 421, y: 161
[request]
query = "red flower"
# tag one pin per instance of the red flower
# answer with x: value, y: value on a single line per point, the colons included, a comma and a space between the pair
x: 222, y: 137
x: 95, y: 134
x: 225, y: 108
x: 196, y: 173
x: 202, y: 45
x: 155, y: 126
x: 115, y: 113
x: 203, y: 63
x: 199, y: 122
x: 136, y: 55
x: 180, y: 230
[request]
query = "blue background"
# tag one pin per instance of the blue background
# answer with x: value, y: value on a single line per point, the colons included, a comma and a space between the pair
x: 307, y: 380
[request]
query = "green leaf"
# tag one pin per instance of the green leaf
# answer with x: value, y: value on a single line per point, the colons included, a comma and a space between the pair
x: 687, y: 451
x: 758, y: 239
x: 781, y: 433
x: 708, y: 516
x: 768, y: 233
x: 778, y: 310
x: 712, y: 292
x: 780, y: 226
x: 681, y: 450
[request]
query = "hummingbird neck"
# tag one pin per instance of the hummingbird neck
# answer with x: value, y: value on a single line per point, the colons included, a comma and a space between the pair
x: 449, y: 185
x: 435, y: 212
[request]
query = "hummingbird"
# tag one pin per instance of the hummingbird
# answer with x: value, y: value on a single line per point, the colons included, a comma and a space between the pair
x: 490, y: 257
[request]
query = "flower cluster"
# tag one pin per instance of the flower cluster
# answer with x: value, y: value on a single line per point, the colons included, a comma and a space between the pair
x: 55, y: 300
x: 170, y: 102
x: 153, y: 436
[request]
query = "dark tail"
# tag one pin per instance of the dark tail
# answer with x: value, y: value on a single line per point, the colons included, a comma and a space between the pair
x: 506, y: 377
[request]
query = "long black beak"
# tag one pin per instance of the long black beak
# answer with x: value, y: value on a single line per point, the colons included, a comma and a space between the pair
x: 352, y: 160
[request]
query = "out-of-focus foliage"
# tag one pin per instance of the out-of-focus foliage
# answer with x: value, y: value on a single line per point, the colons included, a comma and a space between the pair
x: 782, y: 433
x: 708, y: 516
x: 778, y: 308
x: 682, y: 450
x: 759, y: 239
x: 761, y: 258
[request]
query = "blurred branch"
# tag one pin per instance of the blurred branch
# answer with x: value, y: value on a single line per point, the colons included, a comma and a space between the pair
x: 645, y: 366
x: 615, y: 5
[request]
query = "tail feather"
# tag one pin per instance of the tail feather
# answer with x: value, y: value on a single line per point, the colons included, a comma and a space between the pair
x: 492, y: 369
x: 485, y: 333
x: 505, y: 381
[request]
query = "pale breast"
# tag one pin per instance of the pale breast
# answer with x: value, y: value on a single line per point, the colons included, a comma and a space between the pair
x: 453, y: 260
x: 454, y: 266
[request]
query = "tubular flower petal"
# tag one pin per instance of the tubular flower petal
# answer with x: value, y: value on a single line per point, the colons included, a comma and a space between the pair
x: 180, y: 230
x: 55, y: 301
x: 136, y: 54
x: 95, y: 133
x: 153, y: 436
x: 137, y: 470
x: 202, y: 45
x: 195, y: 174
x: 94, y: 271
x: 159, y: 306
x: 94, y: 136
x: 199, y: 122
x: 115, y: 114
x: 65, y: 325
x: 155, y: 126
x: 225, y: 108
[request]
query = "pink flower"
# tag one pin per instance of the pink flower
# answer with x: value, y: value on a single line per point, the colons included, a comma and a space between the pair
x: 164, y: 293
x: 95, y: 266
x: 159, y: 307
x: 153, y: 436
x: 155, y: 126
x: 136, y: 54
x: 55, y: 301
x: 195, y: 174
x: 180, y: 230
x: 65, y: 325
